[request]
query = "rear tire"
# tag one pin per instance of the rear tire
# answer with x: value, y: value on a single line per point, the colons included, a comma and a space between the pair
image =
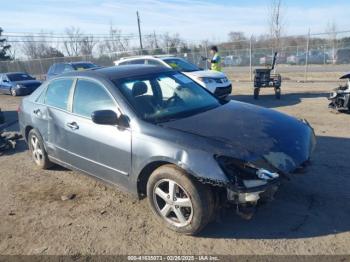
x: 178, y: 202
x: 256, y: 93
x: 37, y: 150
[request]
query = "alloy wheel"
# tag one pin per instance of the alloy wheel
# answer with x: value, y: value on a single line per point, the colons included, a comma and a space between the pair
x: 37, y: 151
x: 172, y: 202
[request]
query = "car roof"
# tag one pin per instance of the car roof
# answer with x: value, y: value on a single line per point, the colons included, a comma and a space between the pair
x: 147, y: 57
x: 117, y: 72
x: 14, y: 73
x: 75, y: 63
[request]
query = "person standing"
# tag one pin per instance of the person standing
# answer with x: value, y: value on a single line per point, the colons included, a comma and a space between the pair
x: 215, y: 61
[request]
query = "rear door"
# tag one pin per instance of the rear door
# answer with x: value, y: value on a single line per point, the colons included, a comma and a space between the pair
x: 57, y: 101
x: 101, y: 150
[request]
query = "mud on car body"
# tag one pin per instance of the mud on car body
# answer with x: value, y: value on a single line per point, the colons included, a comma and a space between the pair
x: 157, y: 133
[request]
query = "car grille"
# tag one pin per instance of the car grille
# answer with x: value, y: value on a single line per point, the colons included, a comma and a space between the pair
x: 223, y: 91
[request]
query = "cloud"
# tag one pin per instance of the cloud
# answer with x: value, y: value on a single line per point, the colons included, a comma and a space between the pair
x: 194, y: 20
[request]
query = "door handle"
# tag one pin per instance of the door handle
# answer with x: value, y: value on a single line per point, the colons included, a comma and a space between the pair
x: 73, y: 125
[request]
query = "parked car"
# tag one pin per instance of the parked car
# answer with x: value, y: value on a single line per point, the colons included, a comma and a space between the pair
x: 60, y: 68
x: 267, y: 60
x: 236, y: 60
x: 157, y: 133
x: 18, y: 83
x: 342, y: 56
x: 215, y: 82
x: 314, y: 57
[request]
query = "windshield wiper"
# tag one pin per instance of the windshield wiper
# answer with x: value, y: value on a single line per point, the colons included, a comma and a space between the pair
x: 183, y: 114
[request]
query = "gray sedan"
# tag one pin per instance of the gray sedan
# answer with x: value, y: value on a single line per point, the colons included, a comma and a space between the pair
x: 156, y: 133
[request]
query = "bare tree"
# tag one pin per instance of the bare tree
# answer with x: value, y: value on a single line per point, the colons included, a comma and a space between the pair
x: 275, y: 23
x: 87, y: 45
x: 331, y: 30
x: 237, y: 40
x: 72, y: 44
x: 115, y: 42
x: 33, y: 47
x: 171, y: 42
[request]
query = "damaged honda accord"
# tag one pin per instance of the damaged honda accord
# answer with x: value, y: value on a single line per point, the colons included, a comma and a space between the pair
x: 157, y: 133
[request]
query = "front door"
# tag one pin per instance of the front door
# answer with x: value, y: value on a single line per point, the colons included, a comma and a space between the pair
x: 101, y: 150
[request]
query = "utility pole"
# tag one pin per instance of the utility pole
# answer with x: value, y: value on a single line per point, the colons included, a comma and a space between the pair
x: 138, y: 23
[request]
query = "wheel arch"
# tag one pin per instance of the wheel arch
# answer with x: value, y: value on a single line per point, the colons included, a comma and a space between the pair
x: 26, y: 131
x: 148, y: 169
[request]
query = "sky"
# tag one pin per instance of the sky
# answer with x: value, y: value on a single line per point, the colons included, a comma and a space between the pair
x: 194, y: 20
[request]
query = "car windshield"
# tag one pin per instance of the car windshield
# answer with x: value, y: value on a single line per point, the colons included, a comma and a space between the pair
x: 166, y: 96
x: 19, y: 77
x: 181, y: 65
x: 83, y: 66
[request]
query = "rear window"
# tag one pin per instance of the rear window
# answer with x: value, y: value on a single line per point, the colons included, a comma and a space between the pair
x: 83, y: 66
x: 181, y: 65
x: 58, y: 92
x: 19, y: 77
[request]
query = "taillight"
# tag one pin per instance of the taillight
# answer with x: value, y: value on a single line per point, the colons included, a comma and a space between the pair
x: 18, y: 109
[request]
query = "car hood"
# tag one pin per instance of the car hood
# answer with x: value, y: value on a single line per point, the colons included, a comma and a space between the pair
x: 253, y: 134
x: 206, y: 73
x: 27, y: 83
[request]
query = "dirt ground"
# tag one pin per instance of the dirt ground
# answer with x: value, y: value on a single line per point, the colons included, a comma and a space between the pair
x: 310, y: 215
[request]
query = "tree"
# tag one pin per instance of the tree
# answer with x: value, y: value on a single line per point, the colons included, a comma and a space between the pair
x: 50, y: 52
x: 72, y: 44
x: 4, y: 48
x: 33, y: 47
x: 171, y: 42
x: 87, y: 45
x: 237, y: 40
x: 115, y: 42
x: 39, y: 47
x: 275, y: 23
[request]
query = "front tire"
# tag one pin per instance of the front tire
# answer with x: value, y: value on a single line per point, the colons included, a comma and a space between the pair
x: 178, y: 202
x: 37, y: 150
x: 13, y: 92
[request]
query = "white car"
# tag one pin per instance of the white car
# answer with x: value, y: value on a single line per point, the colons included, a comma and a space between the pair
x: 215, y: 82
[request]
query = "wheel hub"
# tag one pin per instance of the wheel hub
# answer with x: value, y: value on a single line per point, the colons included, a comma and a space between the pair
x: 36, y: 150
x: 172, y: 202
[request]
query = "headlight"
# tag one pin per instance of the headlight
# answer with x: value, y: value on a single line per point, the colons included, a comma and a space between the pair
x: 224, y: 80
x: 207, y: 80
x: 19, y: 86
x: 235, y: 168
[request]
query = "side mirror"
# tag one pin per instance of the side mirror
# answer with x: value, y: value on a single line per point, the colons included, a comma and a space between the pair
x: 109, y: 117
x: 5, y: 81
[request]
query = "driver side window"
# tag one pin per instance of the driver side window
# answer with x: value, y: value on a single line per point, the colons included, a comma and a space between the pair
x: 89, y: 96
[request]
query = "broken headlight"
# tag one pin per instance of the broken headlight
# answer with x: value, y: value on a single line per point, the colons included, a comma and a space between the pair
x: 245, y: 173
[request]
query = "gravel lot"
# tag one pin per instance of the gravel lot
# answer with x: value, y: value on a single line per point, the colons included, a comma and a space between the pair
x: 310, y: 215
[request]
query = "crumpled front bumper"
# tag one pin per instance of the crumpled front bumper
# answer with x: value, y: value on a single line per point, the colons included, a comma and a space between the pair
x: 251, y: 195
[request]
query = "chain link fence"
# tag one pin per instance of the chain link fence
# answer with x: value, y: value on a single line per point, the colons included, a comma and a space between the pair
x: 299, y: 57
